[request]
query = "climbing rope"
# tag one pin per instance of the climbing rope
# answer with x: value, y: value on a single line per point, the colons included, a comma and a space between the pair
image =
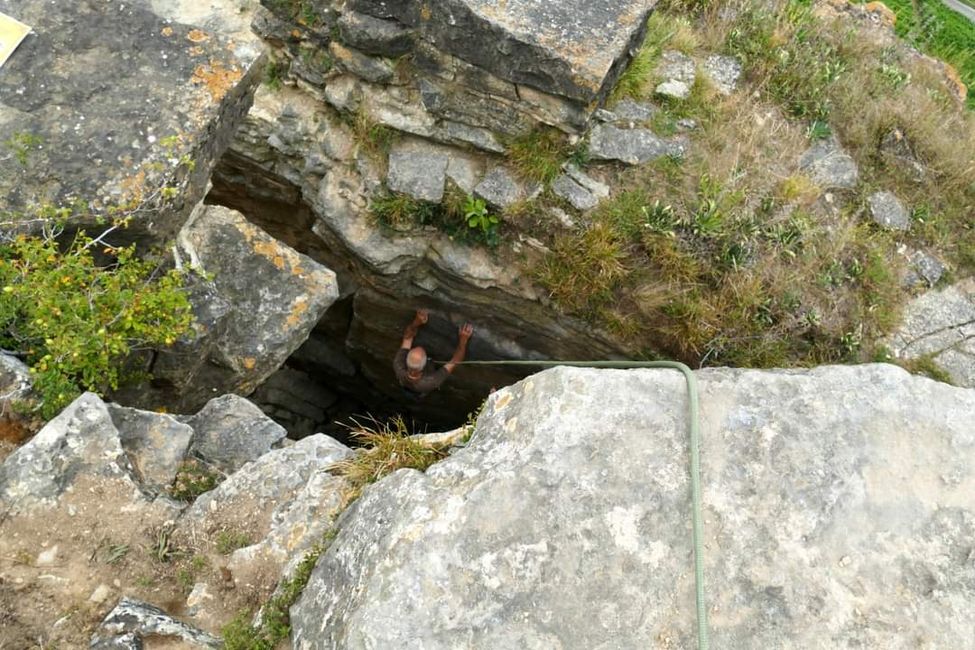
x: 703, y: 641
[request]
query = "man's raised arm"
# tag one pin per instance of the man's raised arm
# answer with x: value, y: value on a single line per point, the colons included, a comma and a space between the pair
x: 418, y: 321
x: 465, y: 334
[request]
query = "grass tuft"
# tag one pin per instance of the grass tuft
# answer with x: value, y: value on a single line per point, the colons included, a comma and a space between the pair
x: 538, y: 155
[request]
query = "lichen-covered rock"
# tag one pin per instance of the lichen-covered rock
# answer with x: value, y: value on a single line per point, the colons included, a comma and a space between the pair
x: 15, y: 381
x: 631, y: 146
x: 923, y: 269
x: 940, y: 325
x: 155, y: 444
x: 839, y: 509
x: 133, y: 621
x: 113, y: 102
x: 81, y: 440
x: 887, y: 211
x: 275, y: 296
x: 231, y: 431
x: 678, y: 72
x: 500, y: 188
x: 829, y: 165
x: 724, y: 72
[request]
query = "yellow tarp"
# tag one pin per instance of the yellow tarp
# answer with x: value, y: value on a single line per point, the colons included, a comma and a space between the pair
x: 12, y: 32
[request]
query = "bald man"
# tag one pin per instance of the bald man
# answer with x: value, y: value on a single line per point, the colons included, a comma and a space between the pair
x: 410, y: 364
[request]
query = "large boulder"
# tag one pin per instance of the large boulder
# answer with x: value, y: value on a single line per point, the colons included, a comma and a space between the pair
x: 257, y: 305
x: 839, y: 509
x: 122, y: 105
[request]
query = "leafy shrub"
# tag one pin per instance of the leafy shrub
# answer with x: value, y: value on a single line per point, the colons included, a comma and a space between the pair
x: 74, y: 319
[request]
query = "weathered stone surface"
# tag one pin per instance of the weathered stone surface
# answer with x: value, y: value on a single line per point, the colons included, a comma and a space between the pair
x: 582, y: 191
x: 15, y: 382
x: 678, y: 72
x: 230, y: 431
x: 500, y: 188
x: 108, y: 98
x: 924, y: 269
x: 724, y: 72
x: 374, y: 35
x: 574, y: 48
x: 940, y: 324
x: 361, y: 65
x: 276, y: 296
x: 82, y: 439
x: 887, y: 211
x: 632, y: 146
x: 418, y: 168
x: 628, y: 110
x: 565, y: 521
x: 155, y: 444
x: 134, y: 619
x: 829, y: 166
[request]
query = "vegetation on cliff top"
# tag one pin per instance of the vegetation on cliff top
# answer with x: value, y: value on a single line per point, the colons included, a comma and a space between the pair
x: 733, y: 255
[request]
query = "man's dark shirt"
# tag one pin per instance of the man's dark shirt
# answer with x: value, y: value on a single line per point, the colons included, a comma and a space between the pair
x: 430, y: 380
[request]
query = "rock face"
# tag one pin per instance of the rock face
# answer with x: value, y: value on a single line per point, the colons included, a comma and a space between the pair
x: 940, y: 325
x: 110, y: 104
x: 839, y: 511
x: 85, y: 506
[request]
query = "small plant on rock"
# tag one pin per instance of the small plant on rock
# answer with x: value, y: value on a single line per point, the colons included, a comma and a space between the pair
x: 193, y: 479
x: 478, y: 218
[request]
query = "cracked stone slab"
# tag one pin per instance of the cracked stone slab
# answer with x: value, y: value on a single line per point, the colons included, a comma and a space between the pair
x: 579, y: 189
x: 940, y: 324
x: 418, y: 168
x: 724, y: 72
x: 572, y: 48
x: 887, y: 211
x: 829, y: 165
x: 133, y: 620
x: 563, y: 523
x: 500, y: 188
x: 632, y: 146
x: 111, y: 94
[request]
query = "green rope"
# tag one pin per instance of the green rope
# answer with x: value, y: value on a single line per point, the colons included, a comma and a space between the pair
x: 703, y: 642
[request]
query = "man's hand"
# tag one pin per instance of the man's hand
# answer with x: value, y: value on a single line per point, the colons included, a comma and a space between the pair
x: 422, y: 315
x: 466, y: 332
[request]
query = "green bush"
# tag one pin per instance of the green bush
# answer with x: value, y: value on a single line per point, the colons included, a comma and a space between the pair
x: 74, y: 319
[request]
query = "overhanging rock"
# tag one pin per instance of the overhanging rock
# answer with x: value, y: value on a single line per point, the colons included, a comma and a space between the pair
x: 115, y: 108
x: 839, y: 508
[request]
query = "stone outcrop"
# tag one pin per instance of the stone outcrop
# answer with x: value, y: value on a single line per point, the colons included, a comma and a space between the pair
x: 255, y: 300
x: 940, y: 325
x: 477, y: 69
x: 839, y: 508
x: 121, y: 106
x: 88, y: 510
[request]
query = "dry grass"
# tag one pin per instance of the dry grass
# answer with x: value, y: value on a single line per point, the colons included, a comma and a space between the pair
x: 386, y: 447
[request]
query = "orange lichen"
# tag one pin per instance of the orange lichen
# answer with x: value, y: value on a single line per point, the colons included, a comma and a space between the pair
x: 197, y: 36
x: 167, y: 31
x: 425, y: 13
x: 300, y: 307
x: 134, y: 186
x: 249, y: 362
x: 216, y: 78
x: 955, y: 83
x: 883, y: 12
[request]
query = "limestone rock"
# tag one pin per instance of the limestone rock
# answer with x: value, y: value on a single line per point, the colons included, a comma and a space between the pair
x: 370, y: 68
x: 565, y: 520
x: 569, y: 48
x: 418, y: 168
x: 940, y: 324
x: 829, y: 166
x: 155, y: 444
x: 924, y: 269
x: 173, y: 79
x: 500, y: 188
x: 374, y: 35
x: 135, y: 620
x: 284, y: 500
x: 887, y: 211
x: 724, y: 72
x: 15, y: 381
x: 230, y: 431
x: 579, y: 189
x: 82, y: 439
x: 276, y: 296
x: 678, y: 72
x: 631, y: 146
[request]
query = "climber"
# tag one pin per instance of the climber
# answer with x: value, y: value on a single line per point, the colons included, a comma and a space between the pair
x: 410, y: 363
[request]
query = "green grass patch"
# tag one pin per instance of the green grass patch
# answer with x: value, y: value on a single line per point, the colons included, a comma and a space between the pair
x: 461, y: 217
x: 538, y: 155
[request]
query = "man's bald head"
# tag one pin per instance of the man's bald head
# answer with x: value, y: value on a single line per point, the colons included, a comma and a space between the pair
x: 416, y: 359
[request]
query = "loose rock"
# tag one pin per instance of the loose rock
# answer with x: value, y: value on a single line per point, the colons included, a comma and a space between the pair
x: 136, y: 619
x: 230, y: 431
x: 829, y: 166
x: 632, y: 146
x: 887, y: 211
x: 724, y: 72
